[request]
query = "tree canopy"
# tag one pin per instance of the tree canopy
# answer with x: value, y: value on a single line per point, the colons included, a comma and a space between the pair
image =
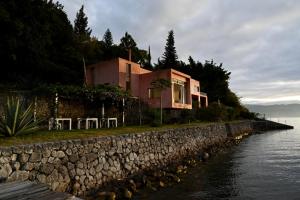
x: 38, y: 45
x: 214, y: 80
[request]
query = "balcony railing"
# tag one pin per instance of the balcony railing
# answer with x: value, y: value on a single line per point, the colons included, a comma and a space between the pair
x: 203, y: 93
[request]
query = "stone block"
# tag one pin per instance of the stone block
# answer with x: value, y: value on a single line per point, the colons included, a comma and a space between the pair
x: 41, y: 178
x: 79, y: 165
x: 5, y: 170
x: 16, y: 166
x: 73, y: 158
x: 14, y: 157
x: 70, y: 166
x: 47, y: 168
x: 60, y: 154
x: 99, y: 167
x: 35, y: 157
x: 46, y: 153
x: 91, y: 157
x: 80, y: 172
x: 23, y: 158
x: 50, y: 159
x: 69, y: 151
x: 4, y: 160
x: 28, y: 166
x: 19, y: 176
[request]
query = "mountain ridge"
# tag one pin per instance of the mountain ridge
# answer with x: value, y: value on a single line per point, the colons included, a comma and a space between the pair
x: 276, y: 110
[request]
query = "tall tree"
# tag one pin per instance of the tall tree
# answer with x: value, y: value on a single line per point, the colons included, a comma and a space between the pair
x: 127, y: 42
x: 170, y: 58
x: 107, y: 38
x: 191, y: 62
x: 148, y: 64
x: 81, y: 28
x: 161, y: 84
x: 149, y: 57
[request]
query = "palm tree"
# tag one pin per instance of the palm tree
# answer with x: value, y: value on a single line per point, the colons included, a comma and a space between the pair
x: 161, y: 84
x: 127, y: 42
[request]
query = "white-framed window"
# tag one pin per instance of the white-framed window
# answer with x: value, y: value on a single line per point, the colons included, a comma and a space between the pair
x: 179, y: 91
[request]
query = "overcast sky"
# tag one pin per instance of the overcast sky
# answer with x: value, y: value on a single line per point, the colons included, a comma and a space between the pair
x: 257, y: 40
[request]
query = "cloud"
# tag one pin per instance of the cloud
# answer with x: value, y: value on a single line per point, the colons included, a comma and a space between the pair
x: 258, y: 41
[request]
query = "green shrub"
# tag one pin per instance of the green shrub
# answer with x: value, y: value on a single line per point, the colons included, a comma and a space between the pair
x: 152, y: 117
x: 16, y: 119
x: 220, y: 112
x: 214, y: 112
x: 187, y: 115
x: 246, y: 114
x: 232, y: 113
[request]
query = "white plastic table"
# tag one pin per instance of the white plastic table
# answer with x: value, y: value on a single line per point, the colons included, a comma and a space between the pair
x: 112, y: 120
x: 107, y: 121
x: 60, y: 122
x: 87, y: 120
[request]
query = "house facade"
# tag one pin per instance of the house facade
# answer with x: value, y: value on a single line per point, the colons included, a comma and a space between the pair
x: 184, y: 91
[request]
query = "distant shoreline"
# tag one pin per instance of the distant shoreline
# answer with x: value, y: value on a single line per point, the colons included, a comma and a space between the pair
x: 275, y: 111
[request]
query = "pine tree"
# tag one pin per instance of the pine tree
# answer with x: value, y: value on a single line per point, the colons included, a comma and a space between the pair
x: 81, y: 25
x: 148, y: 64
x: 107, y: 38
x: 191, y: 62
x: 149, y: 57
x: 170, y: 58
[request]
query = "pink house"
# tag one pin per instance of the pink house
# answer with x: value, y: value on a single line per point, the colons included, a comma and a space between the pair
x: 183, y: 93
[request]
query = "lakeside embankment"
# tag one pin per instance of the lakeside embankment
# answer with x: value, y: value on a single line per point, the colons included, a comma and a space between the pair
x: 262, y: 166
x: 78, y: 166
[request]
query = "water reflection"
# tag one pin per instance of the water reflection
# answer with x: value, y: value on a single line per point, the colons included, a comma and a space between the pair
x: 214, y: 179
x: 218, y: 177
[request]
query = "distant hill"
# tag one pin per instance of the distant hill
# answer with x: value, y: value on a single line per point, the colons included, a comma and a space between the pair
x: 288, y: 110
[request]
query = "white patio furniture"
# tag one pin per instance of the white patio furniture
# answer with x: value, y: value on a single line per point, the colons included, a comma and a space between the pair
x: 114, y: 122
x: 58, y: 123
x: 108, y: 122
x: 102, y: 122
x: 88, y: 122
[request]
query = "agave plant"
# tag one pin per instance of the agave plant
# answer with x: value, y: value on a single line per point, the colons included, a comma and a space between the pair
x: 16, y: 119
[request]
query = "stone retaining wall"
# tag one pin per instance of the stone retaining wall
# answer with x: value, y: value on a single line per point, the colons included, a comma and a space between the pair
x: 239, y: 128
x: 266, y: 125
x: 77, y: 166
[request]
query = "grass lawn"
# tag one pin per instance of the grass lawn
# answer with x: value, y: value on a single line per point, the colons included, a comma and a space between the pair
x: 54, y: 135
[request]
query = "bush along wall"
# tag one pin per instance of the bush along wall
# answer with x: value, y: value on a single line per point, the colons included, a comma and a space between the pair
x: 71, y: 101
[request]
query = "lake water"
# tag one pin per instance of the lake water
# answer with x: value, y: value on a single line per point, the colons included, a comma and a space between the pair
x: 265, y: 166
